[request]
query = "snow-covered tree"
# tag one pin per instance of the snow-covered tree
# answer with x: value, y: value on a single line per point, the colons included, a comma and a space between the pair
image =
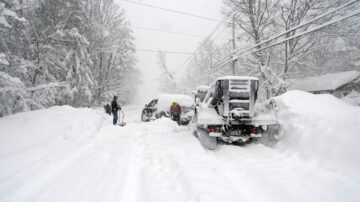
x: 256, y: 19
x: 204, y: 62
x: 309, y: 54
x: 67, y: 52
x: 111, y: 49
x: 14, y: 96
x: 5, y: 13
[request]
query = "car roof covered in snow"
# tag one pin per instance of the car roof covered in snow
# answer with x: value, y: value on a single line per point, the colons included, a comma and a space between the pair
x: 165, y: 100
x: 325, y: 82
x: 202, y: 88
x: 237, y: 78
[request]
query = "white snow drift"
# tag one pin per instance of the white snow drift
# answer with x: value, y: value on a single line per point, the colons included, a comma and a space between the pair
x: 320, y: 127
x: 68, y: 154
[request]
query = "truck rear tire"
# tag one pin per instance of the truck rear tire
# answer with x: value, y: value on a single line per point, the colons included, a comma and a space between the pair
x: 195, y: 134
x: 206, y: 141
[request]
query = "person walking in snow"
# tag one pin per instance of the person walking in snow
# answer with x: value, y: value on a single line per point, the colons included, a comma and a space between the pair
x: 175, y: 112
x: 114, y: 109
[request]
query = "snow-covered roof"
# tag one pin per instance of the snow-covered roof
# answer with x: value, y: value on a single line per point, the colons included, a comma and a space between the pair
x: 324, y: 82
x: 237, y: 78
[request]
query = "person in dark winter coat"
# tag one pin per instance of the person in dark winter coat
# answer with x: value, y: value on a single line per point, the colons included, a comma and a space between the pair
x: 114, y: 109
x: 175, y: 112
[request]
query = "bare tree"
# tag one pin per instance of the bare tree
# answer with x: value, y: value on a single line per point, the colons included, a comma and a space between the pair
x: 256, y: 19
x: 293, y: 13
x: 167, y: 82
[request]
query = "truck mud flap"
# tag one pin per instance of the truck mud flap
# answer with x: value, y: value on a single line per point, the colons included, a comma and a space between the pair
x: 206, y: 141
x: 268, y: 136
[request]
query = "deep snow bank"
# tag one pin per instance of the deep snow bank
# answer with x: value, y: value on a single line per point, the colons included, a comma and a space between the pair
x: 320, y: 127
x: 53, y: 125
x: 37, y: 146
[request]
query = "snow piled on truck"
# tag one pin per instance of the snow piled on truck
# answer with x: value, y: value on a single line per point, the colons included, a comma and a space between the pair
x: 320, y: 128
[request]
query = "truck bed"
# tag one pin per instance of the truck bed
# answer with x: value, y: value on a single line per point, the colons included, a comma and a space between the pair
x: 208, y: 116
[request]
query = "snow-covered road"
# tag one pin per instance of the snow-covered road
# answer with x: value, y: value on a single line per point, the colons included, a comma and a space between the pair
x: 67, y: 154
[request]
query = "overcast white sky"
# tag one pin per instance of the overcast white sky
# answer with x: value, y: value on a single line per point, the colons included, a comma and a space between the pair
x: 163, y: 20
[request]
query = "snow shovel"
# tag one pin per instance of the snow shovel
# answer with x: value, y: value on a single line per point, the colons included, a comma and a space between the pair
x: 122, y: 124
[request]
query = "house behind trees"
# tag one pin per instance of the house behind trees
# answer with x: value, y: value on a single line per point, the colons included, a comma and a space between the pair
x: 338, y: 84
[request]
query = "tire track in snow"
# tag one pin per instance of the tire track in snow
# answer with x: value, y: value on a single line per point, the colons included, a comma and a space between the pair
x: 95, y: 176
x: 169, y: 175
x: 133, y: 181
x: 101, y: 175
x: 276, y: 176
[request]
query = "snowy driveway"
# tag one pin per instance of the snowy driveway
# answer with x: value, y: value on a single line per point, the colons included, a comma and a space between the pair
x: 66, y: 154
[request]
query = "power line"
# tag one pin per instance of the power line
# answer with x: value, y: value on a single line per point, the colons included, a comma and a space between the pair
x: 240, y: 52
x: 173, y: 11
x: 331, y: 22
x: 230, y: 58
x: 300, y: 25
x: 150, y: 51
x: 171, y: 52
x: 203, y: 43
x: 165, y: 31
x: 169, y: 32
x: 222, y: 32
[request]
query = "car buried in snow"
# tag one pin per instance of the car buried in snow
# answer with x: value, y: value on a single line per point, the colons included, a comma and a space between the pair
x: 227, y: 113
x: 160, y: 107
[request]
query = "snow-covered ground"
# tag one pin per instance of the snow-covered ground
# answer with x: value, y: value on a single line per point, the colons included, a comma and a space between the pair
x: 67, y: 154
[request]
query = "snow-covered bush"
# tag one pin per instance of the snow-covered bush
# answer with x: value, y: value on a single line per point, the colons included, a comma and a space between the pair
x: 51, y: 94
x: 67, y: 59
x: 352, y: 98
x: 5, y: 12
x: 3, y: 60
x: 14, y: 96
x: 87, y: 45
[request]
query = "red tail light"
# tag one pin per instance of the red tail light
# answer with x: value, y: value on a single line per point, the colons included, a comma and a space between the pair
x: 254, y: 130
x: 212, y: 129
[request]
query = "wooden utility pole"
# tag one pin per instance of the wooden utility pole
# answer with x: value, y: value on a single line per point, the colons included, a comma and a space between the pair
x: 234, y: 45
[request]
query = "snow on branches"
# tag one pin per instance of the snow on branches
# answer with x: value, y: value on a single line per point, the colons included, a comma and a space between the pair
x: 71, y: 52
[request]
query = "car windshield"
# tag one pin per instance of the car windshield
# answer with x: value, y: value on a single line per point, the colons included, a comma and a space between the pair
x: 152, y: 103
